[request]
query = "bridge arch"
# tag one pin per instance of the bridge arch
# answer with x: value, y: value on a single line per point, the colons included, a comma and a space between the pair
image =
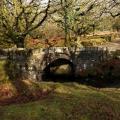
x: 58, y: 62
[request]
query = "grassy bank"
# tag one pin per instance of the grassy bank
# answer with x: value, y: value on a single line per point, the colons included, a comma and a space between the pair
x: 66, y: 101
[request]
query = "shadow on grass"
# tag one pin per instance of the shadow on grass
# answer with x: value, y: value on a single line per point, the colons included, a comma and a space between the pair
x: 95, y: 81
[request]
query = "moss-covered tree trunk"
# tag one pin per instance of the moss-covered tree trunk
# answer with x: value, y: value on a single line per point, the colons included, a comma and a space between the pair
x: 20, y: 42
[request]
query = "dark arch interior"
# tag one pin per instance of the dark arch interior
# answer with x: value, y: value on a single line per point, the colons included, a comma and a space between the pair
x: 48, y: 75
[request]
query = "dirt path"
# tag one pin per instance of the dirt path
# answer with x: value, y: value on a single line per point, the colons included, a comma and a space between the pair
x: 113, y: 46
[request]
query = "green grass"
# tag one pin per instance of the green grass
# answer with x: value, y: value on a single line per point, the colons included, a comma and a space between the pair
x: 3, y: 76
x: 67, y: 101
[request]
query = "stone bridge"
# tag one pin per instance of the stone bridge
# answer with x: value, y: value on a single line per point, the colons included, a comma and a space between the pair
x: 30, y: 64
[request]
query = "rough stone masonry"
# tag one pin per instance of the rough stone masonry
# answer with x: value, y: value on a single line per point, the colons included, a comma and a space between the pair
x: 30, y: 64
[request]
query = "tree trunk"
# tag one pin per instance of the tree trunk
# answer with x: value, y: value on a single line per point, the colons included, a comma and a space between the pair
x: 20, y: 42
x: 65, y: 23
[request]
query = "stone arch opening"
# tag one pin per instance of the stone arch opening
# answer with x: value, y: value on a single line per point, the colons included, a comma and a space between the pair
x: 53, y: 70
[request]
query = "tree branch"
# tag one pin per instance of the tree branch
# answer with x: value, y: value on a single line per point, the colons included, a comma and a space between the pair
x: 41, y: 21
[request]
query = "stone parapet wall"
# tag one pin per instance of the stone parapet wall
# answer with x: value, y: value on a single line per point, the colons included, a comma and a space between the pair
x: 29, y: 64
